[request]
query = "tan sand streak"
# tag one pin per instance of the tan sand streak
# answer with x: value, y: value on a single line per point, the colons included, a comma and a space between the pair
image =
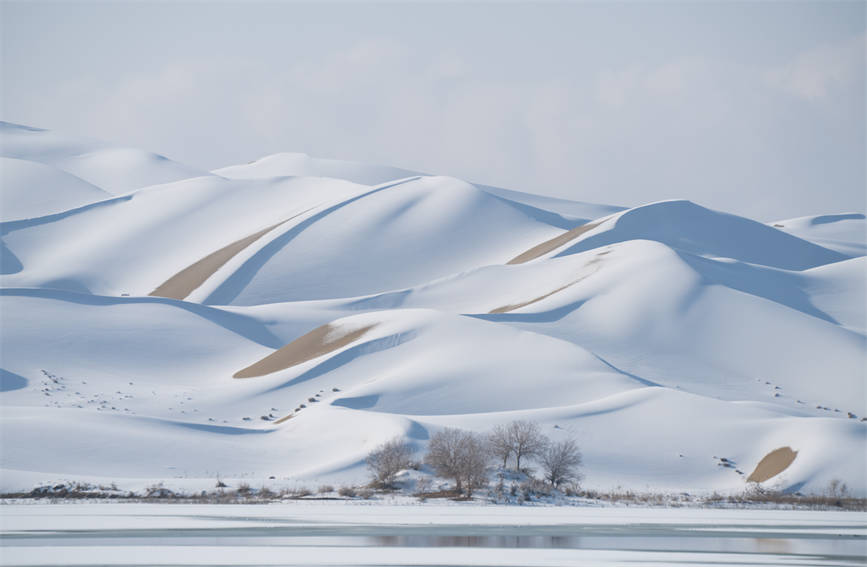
x: 182, y: 284
x: 773, y: 464
x: 552, y: 244
x: 304, y: 348
x: 507, y: 308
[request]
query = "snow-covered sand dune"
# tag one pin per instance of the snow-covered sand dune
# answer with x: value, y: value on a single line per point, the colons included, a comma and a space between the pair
x: 113, y: 169
x: 283, y: 317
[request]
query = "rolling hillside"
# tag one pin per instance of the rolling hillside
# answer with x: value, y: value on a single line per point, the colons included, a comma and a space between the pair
x: 282, y: 318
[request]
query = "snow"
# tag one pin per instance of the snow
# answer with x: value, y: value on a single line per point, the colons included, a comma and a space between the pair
x: 348, y: 555
x: 846, y: 232
x: 115, y: 170
x: 32, y: 189
x: 664, y: 338
x: 301, y: 165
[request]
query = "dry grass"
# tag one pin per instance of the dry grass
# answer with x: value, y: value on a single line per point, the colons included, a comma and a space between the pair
x: 450, y: 494
x: 835, y: 498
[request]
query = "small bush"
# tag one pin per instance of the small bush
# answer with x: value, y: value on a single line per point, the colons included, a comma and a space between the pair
x: 158, y: 491
x: 299, y: 492
x: 389, y: 459
x: 325, y: 489
x: 347, y: 492
x: 837, y: 489
x: 423, y: 484
x: 534, y: 488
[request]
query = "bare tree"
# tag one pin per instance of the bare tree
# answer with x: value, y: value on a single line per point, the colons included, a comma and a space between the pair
x: 561, y: 461
x: 499, y: 444
x: 389, y: 459
x: 460, y: 455
x: 526, y: 440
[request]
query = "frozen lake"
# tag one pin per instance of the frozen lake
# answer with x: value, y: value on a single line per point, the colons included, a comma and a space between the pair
x: 340, y: 533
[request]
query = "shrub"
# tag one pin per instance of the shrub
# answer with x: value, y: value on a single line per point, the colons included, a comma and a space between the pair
x: 300, y: 492
x: 459, y: 455
x: 526, y: 440
x: 534, y: 487
x: 423, y: 485
x: 521, y: 439
x: 499, y: 444
x: 389, y: 459
x: 347, y: 492
x: 158, y: 491
x: 560, y: 462
x: 837, y: 489
x: 325, y: 489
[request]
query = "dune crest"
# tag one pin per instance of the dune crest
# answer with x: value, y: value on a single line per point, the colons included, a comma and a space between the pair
x: 317, y: 342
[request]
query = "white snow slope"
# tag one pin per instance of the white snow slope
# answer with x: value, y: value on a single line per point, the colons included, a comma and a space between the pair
x: 661, y: 337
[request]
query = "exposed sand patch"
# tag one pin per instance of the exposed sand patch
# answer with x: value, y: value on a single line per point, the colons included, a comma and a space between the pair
x: 317, y: 342
x: 507, y: 308
x: 182, y: 284
x: 773, y: 464
x: 552, y: 244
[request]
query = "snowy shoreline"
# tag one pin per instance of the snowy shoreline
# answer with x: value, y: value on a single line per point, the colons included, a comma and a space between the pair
x: 627, y: 499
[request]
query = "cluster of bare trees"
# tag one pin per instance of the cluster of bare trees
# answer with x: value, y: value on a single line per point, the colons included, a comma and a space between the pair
x: 560, y: 461
x: 465, y: 456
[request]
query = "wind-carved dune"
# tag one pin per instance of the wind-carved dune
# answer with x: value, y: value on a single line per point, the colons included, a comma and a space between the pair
x: 182, y: 284
x: 321, y: 340
x: 773, y: 464
x: 553, y: 244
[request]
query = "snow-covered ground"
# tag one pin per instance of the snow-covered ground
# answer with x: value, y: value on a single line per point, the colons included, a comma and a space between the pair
x: 662, y: 338
x: 345, y: 534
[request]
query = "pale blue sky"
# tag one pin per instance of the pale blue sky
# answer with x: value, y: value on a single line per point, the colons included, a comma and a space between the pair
x: 754, y: 108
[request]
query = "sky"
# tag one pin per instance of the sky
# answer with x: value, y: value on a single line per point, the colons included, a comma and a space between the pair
x: 752, y: 108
